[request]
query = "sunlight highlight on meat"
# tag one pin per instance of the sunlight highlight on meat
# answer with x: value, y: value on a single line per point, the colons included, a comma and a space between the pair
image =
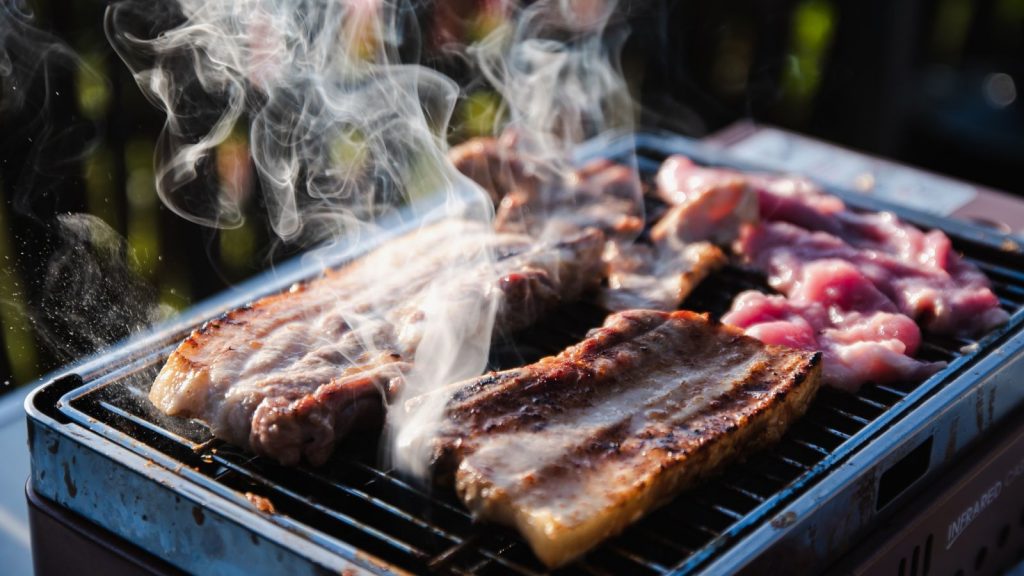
x: 573, y: 449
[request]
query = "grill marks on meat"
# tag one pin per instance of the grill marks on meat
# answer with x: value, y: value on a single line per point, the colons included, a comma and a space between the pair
x: 853, y: 284
x: 574, y: 448
x: 606, y: 196
x: 289, y: 374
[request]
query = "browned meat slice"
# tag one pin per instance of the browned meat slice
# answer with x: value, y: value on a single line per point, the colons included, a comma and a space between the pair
x: 291, y: 373
x: 605, y: 195
x: 682, y: 251
x: 706, y: 204
x: 494, y: 165
x: 574, y: 448
x: 655, y: 276
x: 529, y: 200
x: 602, y: 195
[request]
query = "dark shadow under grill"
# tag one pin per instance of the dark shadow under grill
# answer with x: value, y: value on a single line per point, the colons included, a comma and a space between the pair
x: 399, y: 522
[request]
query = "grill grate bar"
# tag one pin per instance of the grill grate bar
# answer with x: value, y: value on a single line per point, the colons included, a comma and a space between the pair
x: 880, y: 407
x: 731, y: 513
x: 744, y: 492
x: 849, y: 416
x: 940, y: 352
x: 409, y: 488
x: 143, y: 423
x: 489, y: 555
x: 1009, y: 290
x: 890, y: 390
x: 831, y: 431
x: 773, y: 478
x: 1007, y: 304
x: 997, y: 274
x: 812, y: 446
x: 390, y: 509
x: 498, y: 557
x: 717, y: 507
x: 713, y: 533
x: 401, y: 546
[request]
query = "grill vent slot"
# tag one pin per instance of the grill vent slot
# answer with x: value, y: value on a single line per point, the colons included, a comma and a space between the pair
x: 902, y: 475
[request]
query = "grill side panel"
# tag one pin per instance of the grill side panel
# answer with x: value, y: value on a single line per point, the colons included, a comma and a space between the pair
x: 154, y: 509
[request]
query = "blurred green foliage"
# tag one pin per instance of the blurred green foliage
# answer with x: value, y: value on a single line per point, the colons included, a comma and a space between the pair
x: 813, y: 26
x: 19, y: 342
x: 117, y: 174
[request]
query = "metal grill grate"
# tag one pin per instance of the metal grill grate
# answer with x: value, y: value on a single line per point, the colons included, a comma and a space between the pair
x: 352, y: 500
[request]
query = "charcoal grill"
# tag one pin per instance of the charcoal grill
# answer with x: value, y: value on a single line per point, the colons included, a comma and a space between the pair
x: 101, y: 451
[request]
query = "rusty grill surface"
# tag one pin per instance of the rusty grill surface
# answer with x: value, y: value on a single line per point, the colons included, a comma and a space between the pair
x: 352, y: 504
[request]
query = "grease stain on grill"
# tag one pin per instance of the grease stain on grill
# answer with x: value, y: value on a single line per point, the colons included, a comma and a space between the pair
x: 261, y: 503
x: 784, y: 520
x: 69, y: 483
x: 198, y: 516
x: 951, y: 441
x: 979, y: 410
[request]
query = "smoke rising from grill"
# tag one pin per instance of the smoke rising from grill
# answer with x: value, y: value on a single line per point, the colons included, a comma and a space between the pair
x: 341, y: 131
x: 557, y: 69
x: 556, y: 66
x: 80, y: 291
x: 344, y: 131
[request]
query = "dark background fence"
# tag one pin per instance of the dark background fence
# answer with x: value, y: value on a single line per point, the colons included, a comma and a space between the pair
x: 928, y: 82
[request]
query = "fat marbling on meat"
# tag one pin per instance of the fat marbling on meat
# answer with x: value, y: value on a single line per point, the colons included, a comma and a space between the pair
x: 573, y: 449
x: 289, y: 374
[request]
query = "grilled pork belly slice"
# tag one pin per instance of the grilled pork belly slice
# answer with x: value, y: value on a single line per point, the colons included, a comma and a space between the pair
x: 573, y: 449
x: 602, y: 195
x: 705, y: 204
x: 291, y: 373
x: 530, y: 199
x: 655, y: 276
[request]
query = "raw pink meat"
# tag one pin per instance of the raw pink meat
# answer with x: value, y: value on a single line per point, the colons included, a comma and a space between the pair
x: 852, y: 284
x: 918, y: 271
x: 931, y: 284
x: 837, y: 310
